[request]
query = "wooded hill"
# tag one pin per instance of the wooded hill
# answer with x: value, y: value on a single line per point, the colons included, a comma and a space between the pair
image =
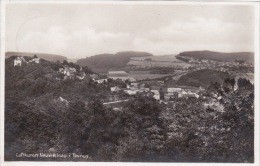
x: 219, y: 56
x: 202, y: 78
x: 48, y: 57
x: 117, y: 60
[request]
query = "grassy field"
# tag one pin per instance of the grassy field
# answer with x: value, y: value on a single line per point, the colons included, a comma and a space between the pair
x: 140, y: 75
x: 165, y: 61
x: 149, y: 76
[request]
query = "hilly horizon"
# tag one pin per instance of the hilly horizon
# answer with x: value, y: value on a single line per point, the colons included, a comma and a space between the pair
x: 119, y: 59
x: 220, y: 56
x: 49, y: 57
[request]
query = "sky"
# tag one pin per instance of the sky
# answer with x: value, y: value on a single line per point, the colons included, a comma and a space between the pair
x: 83, y: 30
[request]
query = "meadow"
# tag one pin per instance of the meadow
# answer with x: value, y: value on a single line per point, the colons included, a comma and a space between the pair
x: 155, y: 61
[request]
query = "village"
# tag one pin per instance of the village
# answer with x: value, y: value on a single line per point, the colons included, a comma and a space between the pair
x: 197, y: 64
x: 155, y: 88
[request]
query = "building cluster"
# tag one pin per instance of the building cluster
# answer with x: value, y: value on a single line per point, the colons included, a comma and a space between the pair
x: 71, y: 73
x: 158, y: 92
x: 68, y: 72
x: 216, y: 65
x: 169, y: 93
x: 18, y: 61
x: 132, y: 89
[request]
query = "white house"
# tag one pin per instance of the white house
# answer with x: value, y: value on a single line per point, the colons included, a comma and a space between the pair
x: 156, y: 94
x: 18, y: 61
x: 81, y: 77
x: 35, y: 60
x: 172, y: 90
x: 115, y: 89
x: 190, y: 95
x: 67, y: 71
x: 100, y: 81
x: 130, y: 91
x: 61, y: 99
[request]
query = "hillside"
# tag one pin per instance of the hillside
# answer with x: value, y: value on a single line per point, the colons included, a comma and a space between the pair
x: 218, y: 56
x: 119, y: 59
x: 202, y: 78
x: 48, y: 57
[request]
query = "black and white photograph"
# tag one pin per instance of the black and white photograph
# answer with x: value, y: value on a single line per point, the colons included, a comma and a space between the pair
x: 131, y: 82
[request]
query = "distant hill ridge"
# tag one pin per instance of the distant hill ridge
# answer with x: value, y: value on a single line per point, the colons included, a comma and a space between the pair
x: 49, y: 57
x: 119, y: 59
x: 219, y: 56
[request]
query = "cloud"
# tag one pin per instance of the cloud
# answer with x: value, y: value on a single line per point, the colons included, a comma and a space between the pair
x: 77, y: 30
x: 59, y: 40
x: 197, y: 33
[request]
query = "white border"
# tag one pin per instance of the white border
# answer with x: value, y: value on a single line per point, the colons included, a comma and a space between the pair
x: 2, y: 73
x: 257, y: 83
x: 2, y: 76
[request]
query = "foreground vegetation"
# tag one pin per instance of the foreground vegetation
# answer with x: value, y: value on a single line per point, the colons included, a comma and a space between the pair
x: 36, y: 121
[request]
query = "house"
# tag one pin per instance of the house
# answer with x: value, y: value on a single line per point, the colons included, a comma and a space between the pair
x: 115, y: 89
x: 170, y: 97
x: 156, y: 94
x: 174, y: 95
x: 93, y: 76
x: 18, y: 61
x: 144, y: 89
x: 190, y: 95
x: 131, y: 92
x: 63, y: 100
x: 101, y: 79
x: 167, y: 96
x: 142, y: 86
x: 173, y: 90
x: 35, y: 60
x: 68, y: 71
x: 81, y: 75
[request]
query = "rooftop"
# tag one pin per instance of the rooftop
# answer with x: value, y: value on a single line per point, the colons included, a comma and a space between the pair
x: 117, y: 72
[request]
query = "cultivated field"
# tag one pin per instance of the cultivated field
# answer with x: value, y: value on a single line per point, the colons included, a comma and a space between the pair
x: 155, y: 61
x: 149, y: 76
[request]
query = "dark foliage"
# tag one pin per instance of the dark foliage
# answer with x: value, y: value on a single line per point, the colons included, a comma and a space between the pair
x: 202, y: 78
x: 38, y: 121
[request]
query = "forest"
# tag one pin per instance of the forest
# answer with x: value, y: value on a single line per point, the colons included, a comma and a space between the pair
x: 146, y: 130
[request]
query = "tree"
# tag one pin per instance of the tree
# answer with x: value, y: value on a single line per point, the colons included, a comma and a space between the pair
x: 65, y: 62
x: 243, y: 83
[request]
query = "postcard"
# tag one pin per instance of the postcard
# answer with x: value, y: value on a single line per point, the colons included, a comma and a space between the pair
x: 129, y: 82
